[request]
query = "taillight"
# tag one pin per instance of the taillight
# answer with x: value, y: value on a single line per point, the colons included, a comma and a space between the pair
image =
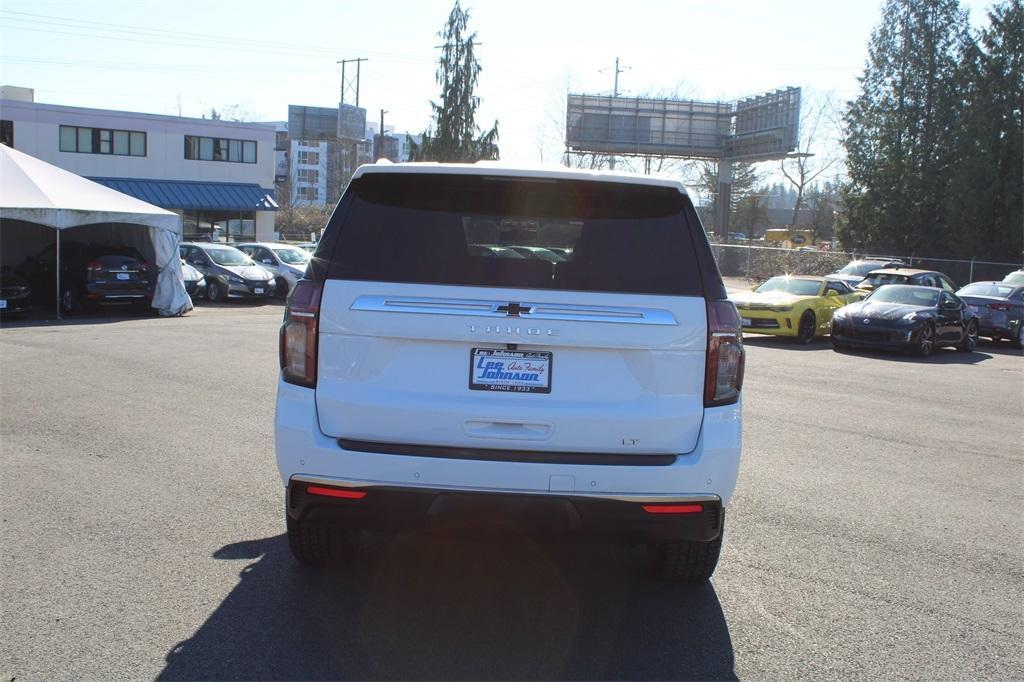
x: 298, y: 338
x: 94, y: 268
x: 724, y: 378
x: 999, y: 306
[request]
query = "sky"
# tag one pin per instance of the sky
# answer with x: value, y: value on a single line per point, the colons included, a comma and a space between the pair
x: 257, y: 57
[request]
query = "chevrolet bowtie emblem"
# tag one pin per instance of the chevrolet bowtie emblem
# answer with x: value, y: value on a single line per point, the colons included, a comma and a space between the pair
x: 513, y: 309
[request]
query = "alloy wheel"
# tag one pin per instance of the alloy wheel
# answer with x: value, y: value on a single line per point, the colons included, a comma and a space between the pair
x: 927, y: 341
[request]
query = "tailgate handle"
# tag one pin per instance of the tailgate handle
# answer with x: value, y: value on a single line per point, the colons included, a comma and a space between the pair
x: 480, y: 428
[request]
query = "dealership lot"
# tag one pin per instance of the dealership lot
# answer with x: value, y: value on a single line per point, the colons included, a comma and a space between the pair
x: 875, y: 530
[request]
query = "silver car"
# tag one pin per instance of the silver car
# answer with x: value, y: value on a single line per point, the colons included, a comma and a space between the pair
x: 229, y: 273
x: 287, y: 262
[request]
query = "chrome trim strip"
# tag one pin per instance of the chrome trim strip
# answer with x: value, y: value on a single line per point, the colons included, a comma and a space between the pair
x: 564, y: 312
x: 620, y: 497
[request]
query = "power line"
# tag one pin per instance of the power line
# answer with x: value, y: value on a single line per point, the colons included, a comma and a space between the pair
x: 220, y: 40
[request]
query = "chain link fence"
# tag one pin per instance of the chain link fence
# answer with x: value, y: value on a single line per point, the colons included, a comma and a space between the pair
x: 758, y: 263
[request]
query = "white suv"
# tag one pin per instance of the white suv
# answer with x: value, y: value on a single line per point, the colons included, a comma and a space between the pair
x: 592, y: 394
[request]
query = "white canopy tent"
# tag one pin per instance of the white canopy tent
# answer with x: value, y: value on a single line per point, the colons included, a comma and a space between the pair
x: 37, y: 192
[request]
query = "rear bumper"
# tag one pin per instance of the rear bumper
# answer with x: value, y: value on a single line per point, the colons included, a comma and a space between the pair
x: 107, y: 294
x: 394, y: 509
x: 595, y: 499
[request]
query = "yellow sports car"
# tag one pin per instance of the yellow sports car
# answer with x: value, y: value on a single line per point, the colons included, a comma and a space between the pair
x: 799, y: 306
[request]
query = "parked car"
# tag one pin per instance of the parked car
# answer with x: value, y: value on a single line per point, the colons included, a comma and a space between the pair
x: 906, y: 317
x: 287, y: 263
x: 422, y: 382
x: 308, y: 247
x: 901, y: 275
x: 856, y: 270
x: 795, y: 306
x: 229, y: 273
x: 195, y: 282
x: 999, y: 307
x: 15, y: 293
x: 90, y: 274
x: 1015, y: 277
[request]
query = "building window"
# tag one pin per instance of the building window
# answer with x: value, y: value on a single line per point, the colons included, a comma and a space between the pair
x: 310, y: 175
x: 307, y: 193
x: 219, y: 149
x: 219, y: 226
x: 307, y: 158
x: 7, y: 133
x: 102, y: 141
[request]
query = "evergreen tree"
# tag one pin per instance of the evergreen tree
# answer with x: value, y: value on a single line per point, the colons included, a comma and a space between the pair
x: 454, y: 135
x: 986, y: 195
x: 899, y: 129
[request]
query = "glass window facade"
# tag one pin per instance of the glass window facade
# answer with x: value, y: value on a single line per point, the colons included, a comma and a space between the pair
x: 219, y: 226
x: 102, y: 141
x: 219, y: 149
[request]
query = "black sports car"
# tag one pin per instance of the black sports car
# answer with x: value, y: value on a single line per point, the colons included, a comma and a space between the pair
x: 906, y: 317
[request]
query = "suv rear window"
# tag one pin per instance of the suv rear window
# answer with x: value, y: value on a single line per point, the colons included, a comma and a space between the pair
x: 515, y: 232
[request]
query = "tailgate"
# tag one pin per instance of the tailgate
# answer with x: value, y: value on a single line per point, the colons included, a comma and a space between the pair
x: 625, y: 371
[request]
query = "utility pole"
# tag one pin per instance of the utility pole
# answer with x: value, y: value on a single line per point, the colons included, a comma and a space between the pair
x: 350, y: 85
x: 347, y: 145
x: 615, y: 93
x: 380, y: 139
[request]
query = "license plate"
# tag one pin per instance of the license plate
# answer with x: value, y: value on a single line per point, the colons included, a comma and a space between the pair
x: 123, y: 276
x: 258, y: 290
x: 745, y: 321
x: 3, y: 303
x: 517, y: 371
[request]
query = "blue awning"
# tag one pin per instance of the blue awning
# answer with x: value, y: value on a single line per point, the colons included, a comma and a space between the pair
x: 195, y: 196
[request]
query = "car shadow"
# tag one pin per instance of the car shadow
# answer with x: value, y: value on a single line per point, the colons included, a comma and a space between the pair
x: 47, y: 317
x: 999, y: 348
x: 437, y: 604
x: 939, y: 356
x: 767, y: 340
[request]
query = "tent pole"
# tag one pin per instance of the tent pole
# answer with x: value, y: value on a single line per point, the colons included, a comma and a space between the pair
x: 58, y: 274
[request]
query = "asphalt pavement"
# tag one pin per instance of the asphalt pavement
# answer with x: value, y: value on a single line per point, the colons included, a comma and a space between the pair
x: 875, y: 533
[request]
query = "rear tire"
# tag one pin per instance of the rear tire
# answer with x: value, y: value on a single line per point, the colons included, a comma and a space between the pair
x: 970, y: 340
x: 319, y: 543
x: 281, y: 289
x: 806, y: 328
x: 686, y: 561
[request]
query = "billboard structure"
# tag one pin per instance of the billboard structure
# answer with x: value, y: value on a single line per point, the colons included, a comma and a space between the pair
x: 755, y: 128
x: 758, y: 128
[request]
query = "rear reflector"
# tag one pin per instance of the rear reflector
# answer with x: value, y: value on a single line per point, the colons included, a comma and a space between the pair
x: 335, y: 492
x: 673, y: 508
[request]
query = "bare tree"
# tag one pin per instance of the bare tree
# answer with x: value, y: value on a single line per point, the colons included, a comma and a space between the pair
x: 817, y: 147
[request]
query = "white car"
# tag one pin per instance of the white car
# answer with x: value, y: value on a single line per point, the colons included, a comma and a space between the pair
x: 424, y: 383
x: 287, y: 262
